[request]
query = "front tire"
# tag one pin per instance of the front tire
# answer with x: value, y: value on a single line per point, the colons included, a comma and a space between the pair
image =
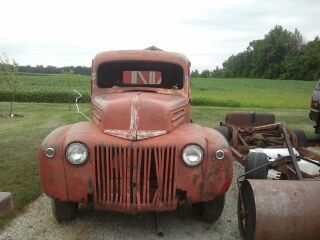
x: 301, y: 137
x: 225, y: 132
x: 209, y: 211
x: 255, y: 160
x: 64, y: 211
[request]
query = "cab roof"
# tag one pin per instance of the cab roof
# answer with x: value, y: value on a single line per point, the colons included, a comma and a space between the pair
x: 149, y: 54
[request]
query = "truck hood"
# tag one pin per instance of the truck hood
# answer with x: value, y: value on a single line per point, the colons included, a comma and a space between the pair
x: 140, y: 115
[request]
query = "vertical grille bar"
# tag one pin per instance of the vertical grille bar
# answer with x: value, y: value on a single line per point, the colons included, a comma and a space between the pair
x: 99, y: 174
x: 157, y: 163
x: 125, y: 152
x: 148, y: 174
x: 171, y: 172
x: 134, y: 176
x: 116, y: 177
x: 145, y: 171
x: 103, y: 170
x: 160, y: 175
x: 175, y: 173
x: 128, y: 178
x: 139, y: 177
x: 121, y: 175
x: 166, y: 176
x: 96, y: 192
x: 111, y: 159
x: 108, y: 174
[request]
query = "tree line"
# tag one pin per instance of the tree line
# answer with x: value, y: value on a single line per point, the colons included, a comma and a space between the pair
x: 82, y: 70
x: 281, y: 54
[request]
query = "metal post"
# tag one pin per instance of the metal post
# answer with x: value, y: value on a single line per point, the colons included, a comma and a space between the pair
x: 290, y: 149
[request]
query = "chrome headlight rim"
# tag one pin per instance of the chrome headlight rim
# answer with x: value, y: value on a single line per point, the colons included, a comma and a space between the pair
x: 190, y: 163
x: 87, y: 153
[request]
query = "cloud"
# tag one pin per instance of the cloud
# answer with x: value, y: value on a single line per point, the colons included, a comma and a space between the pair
x: 207, y: 31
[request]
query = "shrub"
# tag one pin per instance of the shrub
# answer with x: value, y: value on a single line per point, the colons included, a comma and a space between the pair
x: 47, y: 97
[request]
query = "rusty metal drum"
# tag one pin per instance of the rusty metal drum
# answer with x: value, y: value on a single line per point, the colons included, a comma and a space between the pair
x: 283, y: 209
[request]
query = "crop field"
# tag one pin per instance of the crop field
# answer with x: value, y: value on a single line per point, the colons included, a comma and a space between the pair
x: 222, y: 92
x: 253, y: 93
x: 53, y: 82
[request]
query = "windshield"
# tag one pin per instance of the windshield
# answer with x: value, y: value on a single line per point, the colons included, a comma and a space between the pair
x: 140, y: 74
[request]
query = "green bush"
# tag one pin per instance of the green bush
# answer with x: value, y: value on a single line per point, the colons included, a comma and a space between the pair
x: 46, y: 97
x: 204, y: 101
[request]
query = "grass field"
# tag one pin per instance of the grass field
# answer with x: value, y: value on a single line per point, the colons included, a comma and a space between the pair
x: 21, y: 138
x: 222, y: 92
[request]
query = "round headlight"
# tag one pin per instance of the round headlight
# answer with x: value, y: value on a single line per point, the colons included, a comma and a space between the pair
x: 192, y: 155
x: 77, y: 153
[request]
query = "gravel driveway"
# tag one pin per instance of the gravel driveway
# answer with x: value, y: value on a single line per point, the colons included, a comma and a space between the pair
x: 37, y: 223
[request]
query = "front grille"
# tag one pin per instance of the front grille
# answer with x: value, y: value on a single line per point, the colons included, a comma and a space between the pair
x: 135, y: 178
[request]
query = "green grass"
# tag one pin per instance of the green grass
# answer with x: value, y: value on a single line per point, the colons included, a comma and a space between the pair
x: 294, y: 118
x: 222, y: 92
x: 19, y: 145
x: 21, y: 138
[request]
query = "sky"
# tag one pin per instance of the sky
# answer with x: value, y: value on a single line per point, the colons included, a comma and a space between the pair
x: 67, y: 32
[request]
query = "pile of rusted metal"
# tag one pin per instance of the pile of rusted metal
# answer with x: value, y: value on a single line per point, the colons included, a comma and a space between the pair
x: 280, y: 189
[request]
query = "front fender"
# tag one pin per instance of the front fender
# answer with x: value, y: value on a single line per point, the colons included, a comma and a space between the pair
x: 51, y: 170
x: 219, y: 172
x: 58, y: 177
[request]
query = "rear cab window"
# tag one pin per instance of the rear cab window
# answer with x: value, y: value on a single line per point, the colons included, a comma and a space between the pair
x: 140, y: 74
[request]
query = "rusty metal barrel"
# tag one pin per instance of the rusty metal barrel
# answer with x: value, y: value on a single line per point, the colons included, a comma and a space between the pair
x: 279, y: 209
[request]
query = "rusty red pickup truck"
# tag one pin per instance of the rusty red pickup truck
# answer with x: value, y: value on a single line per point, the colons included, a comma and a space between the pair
x: 140, y: 151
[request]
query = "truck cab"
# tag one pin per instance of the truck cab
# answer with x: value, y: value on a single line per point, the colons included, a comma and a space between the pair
x: 140, y: 152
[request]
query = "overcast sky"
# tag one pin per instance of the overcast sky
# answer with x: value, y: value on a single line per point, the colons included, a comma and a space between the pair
x: 62, y: 32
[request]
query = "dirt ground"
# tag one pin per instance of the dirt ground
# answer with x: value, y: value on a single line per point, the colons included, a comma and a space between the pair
x: 37, y: 222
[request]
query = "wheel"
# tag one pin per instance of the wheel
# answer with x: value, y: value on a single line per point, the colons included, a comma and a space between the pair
x: 246, y: 212
x: 225, y: 132
x: 301, y: 137
x: 209, y: 211
x: 253, y: 161
x: 64, y: 211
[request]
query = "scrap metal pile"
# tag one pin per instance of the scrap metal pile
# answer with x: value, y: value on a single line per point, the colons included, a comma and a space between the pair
x: 280, y: 189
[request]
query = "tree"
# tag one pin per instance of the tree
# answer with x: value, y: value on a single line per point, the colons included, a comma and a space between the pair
x: 195, y: 73
x: 218, y: 72
x: 205, y: 73
x: 306, y: 64
x: 264, y: 58
x: 8, y: 77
